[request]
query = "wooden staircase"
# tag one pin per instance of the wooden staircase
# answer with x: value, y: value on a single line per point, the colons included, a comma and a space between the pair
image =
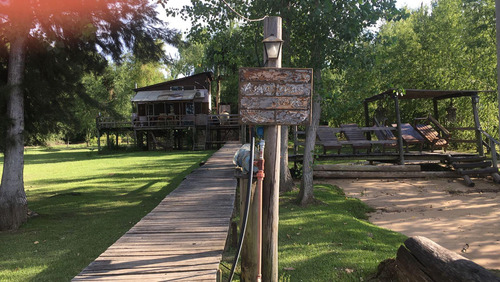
x: 473, y: 165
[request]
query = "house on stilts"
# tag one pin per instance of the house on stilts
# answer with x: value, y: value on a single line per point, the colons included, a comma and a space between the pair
x: 175, y: 114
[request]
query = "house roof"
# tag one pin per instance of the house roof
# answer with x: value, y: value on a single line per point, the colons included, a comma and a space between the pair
x: 197, y: 81
x: 168, y: 95
x: 424, y: 94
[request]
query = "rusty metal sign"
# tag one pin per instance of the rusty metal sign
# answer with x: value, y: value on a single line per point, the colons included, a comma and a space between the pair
x: 275, y: 96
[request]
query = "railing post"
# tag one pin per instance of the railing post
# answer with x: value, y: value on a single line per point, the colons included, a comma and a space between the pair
x: 493, y: 151
x: 479, y: 136
x: 400, y: 135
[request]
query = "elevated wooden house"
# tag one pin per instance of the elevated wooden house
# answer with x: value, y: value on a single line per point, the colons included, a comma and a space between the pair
x: 174, y: 113
x: 175, y: 102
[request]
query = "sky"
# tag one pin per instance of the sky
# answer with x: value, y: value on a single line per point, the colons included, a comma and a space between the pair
x: 184, y: 26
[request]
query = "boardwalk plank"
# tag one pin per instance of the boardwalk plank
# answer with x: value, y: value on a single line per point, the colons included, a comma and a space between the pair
x: 183, y: 238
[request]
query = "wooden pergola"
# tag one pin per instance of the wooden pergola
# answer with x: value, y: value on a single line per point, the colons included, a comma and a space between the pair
x: 436, y: 96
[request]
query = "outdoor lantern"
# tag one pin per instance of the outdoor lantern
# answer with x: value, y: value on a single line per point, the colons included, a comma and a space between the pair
x: 272, y: 45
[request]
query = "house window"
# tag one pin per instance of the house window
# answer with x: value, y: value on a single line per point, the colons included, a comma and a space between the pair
x: 141, y: 109
x: 151, y: 110
x: 189, y: 109
x: 159, y: 108
x: 198, y: 108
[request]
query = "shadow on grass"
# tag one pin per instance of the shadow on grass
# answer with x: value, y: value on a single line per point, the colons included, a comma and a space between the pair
x: 331, y: 241
x: 77, y: 224
x: 108, y: 222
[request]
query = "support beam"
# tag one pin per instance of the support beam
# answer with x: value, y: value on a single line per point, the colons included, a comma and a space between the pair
x: 400, y: 136
x: 367, y: 119
x: 477, y: 125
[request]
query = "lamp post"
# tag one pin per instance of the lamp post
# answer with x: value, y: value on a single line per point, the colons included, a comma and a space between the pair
x: 272, y: 134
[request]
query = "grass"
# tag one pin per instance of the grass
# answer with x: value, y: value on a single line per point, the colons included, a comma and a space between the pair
x: 85, y: 201
x: 330, y: 240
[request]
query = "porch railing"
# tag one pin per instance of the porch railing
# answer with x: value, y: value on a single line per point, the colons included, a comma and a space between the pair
x: 167, y: 121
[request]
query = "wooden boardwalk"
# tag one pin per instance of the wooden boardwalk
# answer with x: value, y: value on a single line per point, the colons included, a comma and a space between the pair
x: 183, y: 238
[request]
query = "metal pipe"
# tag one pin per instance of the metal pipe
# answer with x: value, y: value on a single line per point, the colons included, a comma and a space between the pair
x: 247, y: 205
x: 260, y: 180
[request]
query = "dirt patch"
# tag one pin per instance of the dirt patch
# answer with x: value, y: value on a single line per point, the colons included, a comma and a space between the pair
x: 462, y: 219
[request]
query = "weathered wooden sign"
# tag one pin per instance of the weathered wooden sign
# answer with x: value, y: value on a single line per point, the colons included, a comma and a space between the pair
x: 275, y: 96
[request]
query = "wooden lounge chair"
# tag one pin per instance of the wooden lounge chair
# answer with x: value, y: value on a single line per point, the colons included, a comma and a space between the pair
x: 356, y: 137
x: 410, y: 136
x: 431, y: 135
x: 326, y: 137
x: 385, y: 135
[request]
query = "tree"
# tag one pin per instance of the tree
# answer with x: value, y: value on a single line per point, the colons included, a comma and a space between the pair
x: 331, y: 26
x: 451, y: 46
x: 111, y: 91
x: 190, y: 59
x: 80, y: 30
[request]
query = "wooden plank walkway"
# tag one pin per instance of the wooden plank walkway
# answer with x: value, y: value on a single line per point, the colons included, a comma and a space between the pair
x: 183, y: 238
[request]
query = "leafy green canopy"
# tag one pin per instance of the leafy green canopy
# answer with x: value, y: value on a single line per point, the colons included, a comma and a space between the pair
x: 110, y: 92
x: 317, y: 34
x: 66, y: 40
x: 451, y: 46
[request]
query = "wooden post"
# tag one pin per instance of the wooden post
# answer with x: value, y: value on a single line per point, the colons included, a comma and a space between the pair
x: 479, y: 136
x: 400, y: 136
x: 493, y: 151
x: 249, y: 249
x: 98, y: 140
x: 494, y: 160
x: 367, y: 120
x: 270, y: 205
x: 217, y: 95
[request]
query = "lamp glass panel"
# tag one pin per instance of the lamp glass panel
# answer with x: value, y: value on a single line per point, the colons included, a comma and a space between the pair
x: 273, y: 49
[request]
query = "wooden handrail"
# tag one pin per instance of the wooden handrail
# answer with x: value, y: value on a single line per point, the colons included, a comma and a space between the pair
x: 489, y: 137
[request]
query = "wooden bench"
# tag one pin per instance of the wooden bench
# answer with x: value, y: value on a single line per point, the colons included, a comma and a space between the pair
x: 356, y: 137
x: 327, y: 139
x: 410, y: 136
x: 384, y: 135
x: 431, y: 135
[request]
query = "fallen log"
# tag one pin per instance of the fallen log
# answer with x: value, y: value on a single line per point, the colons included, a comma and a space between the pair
x: 343, y: 167
x: 384, y: 174
x: 421, y: 259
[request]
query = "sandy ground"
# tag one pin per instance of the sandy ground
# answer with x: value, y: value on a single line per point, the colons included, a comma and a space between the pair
x: 462, y: 219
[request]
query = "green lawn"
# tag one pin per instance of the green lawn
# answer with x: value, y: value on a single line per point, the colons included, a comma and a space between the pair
x: 330, y: 240
x: 86, y: 201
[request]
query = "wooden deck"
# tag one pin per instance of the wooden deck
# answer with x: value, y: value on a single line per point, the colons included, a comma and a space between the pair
x: 183, y: 238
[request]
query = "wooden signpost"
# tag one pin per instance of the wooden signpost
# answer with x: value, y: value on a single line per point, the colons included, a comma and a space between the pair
x: 273, y: 97
x: 270, y: 96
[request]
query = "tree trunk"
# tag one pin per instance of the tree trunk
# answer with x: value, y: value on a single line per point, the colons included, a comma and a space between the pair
x: 217, y: 96
x: 306, y: 195
x: 13, y: 202
x: 286, y: 180
x: 497, y: 23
